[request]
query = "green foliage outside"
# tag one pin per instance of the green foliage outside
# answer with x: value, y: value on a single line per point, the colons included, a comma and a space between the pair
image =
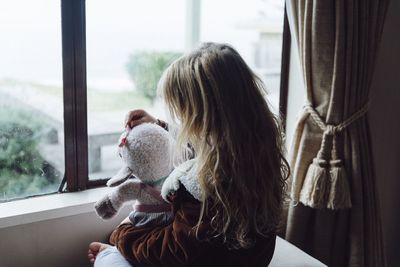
x: 146, y: 68
x: 22, y: 168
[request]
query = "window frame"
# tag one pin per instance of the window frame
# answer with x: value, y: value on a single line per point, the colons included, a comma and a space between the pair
x: 74, y: 92
x: 73, y: 24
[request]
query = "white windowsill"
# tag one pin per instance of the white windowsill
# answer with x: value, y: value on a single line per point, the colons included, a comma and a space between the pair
x: 48, y: 207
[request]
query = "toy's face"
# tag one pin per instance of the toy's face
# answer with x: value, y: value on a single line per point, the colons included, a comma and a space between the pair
x: 147, y: 151
x: 122, y: 142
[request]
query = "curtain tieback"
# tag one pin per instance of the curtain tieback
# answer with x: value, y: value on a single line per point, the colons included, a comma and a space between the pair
x: 326, y: 184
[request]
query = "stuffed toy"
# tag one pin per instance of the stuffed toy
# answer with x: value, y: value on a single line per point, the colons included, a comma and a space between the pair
x: 147, y: 153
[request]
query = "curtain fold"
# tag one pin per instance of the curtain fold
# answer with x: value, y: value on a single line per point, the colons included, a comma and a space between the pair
x: 337, y: 42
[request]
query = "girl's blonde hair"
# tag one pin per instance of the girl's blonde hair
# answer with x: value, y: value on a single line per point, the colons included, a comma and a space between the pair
x: 221, y: 106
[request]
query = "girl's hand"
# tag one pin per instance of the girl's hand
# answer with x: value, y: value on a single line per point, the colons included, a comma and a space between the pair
x: 138, y: 116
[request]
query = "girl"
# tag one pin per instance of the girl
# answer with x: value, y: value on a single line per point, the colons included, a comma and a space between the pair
x: 240, y: 171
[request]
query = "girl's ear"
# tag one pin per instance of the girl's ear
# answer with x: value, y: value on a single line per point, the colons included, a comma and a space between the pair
x: 122, y: 175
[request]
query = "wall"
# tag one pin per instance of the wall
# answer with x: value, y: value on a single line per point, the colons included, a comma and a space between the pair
x: 58, y: 242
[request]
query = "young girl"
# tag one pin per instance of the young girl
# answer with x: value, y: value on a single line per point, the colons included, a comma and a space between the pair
x: 220, y: 104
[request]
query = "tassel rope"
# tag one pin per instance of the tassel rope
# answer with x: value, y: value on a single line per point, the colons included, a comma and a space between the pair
x: 316, y: 183
x: 339, y: 195
x: 326, y: 184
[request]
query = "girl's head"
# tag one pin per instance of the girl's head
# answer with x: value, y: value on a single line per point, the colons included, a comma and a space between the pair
x: 221, y: 106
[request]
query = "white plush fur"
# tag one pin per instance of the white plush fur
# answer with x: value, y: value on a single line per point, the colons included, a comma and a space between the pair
x: 147, y: 155
x: 186, y: 175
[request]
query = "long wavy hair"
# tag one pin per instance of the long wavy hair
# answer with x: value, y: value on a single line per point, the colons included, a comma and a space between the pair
x: 221, y: 106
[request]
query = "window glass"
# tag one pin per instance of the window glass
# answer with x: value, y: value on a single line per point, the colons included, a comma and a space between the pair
x: 31, y: 102
x: 130, y: 43
x: 254, y: 28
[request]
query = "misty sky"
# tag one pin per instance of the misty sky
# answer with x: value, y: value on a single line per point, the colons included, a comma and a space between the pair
x: 30, y: 34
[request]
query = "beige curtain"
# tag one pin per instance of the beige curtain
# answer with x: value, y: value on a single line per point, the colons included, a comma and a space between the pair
x: 337, y: 42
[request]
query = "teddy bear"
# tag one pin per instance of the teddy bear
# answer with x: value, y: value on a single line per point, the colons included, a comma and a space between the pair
x: 147, y: 154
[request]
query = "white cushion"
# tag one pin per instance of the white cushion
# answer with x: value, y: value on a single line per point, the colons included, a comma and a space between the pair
x: 288, y: 255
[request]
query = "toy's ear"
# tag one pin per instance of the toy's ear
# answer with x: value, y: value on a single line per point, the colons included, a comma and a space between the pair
x: 123, y: 174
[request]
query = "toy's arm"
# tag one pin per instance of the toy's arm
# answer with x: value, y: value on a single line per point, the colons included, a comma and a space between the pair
x: 122, y: 176
x: 108, y: 206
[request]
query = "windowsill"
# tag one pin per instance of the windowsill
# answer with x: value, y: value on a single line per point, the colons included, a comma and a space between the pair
x: 48, y: 207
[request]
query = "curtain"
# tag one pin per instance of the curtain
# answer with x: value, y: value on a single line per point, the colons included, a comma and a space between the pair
x: 337, y: 42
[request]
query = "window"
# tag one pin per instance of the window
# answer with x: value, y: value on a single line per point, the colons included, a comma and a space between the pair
x: 255, y: 29
x: 113, y: 54
x: 128, y: 48
x: 31, y: 98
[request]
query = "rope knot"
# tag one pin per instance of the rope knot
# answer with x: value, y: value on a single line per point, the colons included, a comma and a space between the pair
x: 330, y: 130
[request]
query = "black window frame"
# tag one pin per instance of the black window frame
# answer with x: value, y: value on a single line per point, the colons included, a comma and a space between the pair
x: 73, y: 20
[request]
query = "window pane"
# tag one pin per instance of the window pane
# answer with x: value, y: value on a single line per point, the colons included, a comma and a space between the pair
x: 254, y: 28
x: 31, y: 103
x: 129, y: 44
